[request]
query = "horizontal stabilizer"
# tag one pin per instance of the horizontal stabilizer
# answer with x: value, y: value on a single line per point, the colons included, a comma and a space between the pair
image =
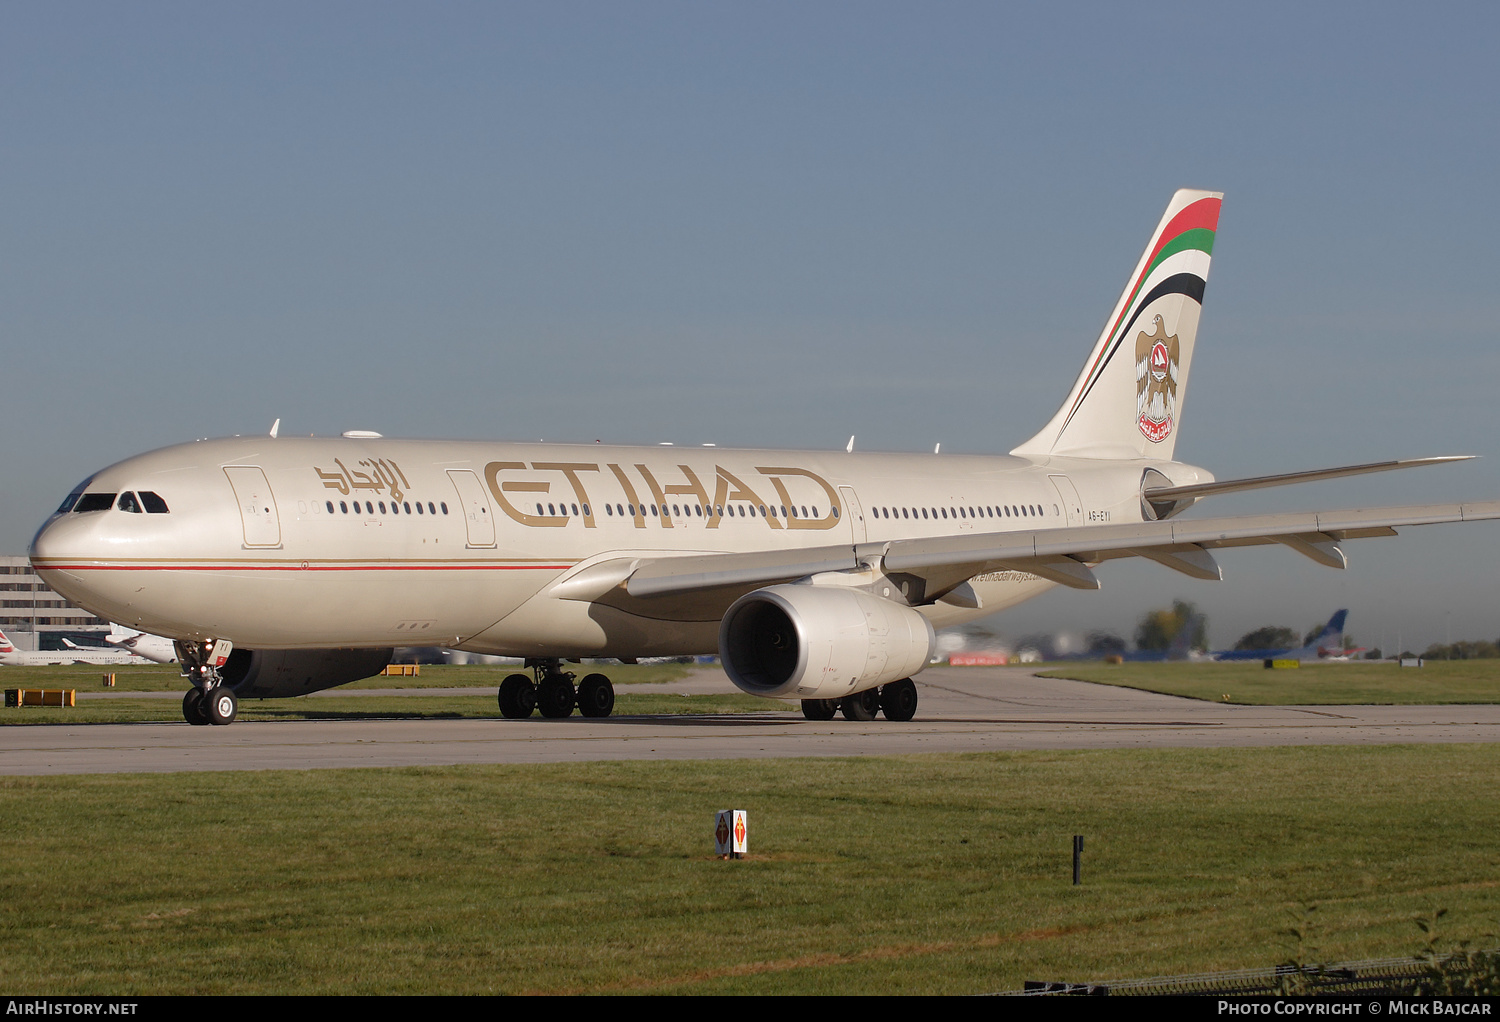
x: 1164, y: 498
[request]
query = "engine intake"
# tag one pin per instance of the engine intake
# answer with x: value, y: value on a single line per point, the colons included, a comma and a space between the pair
x: 277, y: 673
x: 820, y: 642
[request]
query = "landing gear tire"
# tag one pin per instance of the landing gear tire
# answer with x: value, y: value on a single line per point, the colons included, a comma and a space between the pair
x: 861, y: 705
x: 555, y: 696
x: 517, y: 697
x: 819, y: 709
x: 596, y: 696
x: 898, y: 700
x: 193, y: 710
x: 222, y: 706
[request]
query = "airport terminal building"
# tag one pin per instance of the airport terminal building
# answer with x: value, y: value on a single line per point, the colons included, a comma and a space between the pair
x: 34, y: 617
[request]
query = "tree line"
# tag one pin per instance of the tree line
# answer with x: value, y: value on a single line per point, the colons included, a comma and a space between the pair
x: 1159, y: 629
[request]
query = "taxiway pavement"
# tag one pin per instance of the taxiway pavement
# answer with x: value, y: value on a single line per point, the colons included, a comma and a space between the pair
x: 969, y: 709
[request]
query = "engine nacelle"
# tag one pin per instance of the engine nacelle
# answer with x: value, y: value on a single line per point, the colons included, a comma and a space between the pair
x: 277, y: 673
x: 820, y: 642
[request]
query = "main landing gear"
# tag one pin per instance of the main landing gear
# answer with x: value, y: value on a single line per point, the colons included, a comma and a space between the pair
x: 209, y: 701
x: 553, y: 693
x: 898, y: 701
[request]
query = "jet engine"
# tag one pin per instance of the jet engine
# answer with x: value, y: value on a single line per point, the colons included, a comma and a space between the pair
x: 276, y: 673
x: 820, y: 642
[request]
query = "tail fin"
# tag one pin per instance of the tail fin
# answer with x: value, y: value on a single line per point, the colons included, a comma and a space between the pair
x: 1127, y: 403
x: 1331, y: 638
x: 5, y: 646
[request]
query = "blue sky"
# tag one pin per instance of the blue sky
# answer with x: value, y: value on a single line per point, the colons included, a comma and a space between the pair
x: 772, y: 225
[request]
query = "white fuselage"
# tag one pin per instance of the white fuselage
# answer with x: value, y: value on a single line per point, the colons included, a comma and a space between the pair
x: 156, y: 648
x: 301, y: 543
x: 43, y: 657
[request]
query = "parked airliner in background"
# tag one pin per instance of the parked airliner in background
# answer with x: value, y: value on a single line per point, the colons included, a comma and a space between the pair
x: 285, y: 565
x: 1328, y: 644
x: 12, y: 657
x: 155, y: 648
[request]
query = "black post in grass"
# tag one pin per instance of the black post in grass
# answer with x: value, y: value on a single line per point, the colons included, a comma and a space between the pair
x: 1077, y: 859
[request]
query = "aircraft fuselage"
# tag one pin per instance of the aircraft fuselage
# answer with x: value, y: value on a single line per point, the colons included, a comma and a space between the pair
x: 301, y: 543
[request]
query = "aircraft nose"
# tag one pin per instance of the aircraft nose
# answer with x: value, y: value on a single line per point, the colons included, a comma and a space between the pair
x: 66, y: 543
x: 56, y: 539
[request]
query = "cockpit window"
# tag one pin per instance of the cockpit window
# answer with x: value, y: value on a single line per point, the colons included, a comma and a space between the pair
x: 154, y: 504
x: 94, y: 502
x: 69, y: 501
x: 129, y: 503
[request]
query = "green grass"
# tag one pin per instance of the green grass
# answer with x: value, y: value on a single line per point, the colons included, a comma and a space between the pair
x: 1455, y: 681
x: 931, y: 874
x: 128, y: 678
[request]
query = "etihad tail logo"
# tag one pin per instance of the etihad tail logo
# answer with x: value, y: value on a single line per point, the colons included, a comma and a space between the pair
x: 1156, y: 357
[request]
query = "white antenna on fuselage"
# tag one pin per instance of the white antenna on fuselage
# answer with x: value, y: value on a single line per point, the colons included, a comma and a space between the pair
x: 850, y: 448
x: 275, y: 428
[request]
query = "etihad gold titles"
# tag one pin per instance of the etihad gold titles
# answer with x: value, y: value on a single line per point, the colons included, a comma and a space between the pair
x: 284, y: 565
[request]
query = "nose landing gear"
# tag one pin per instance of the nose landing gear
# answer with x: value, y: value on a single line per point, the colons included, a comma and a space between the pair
x: 553, y: 693
x: 209, y: 701
x: 192, y: 707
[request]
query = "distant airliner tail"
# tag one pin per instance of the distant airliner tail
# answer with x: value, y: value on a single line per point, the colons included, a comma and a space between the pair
x: 1331, y: 638
x: 1127, y: 402
x: 5, y: 646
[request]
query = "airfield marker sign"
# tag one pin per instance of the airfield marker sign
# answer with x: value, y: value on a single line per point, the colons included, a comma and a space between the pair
x: 731, y: 833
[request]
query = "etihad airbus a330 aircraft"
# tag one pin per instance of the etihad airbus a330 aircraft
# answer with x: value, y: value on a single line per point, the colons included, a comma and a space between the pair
x: 285, y: 565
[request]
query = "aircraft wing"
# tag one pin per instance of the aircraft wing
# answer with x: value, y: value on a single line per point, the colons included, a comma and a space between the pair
x: 1059, y: 555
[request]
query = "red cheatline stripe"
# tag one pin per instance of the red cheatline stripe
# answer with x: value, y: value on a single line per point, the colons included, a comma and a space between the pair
x: 298, y: 567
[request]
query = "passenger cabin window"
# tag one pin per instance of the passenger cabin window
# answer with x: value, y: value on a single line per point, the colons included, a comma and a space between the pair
x: 128, y: 503
x: 94, y: 502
